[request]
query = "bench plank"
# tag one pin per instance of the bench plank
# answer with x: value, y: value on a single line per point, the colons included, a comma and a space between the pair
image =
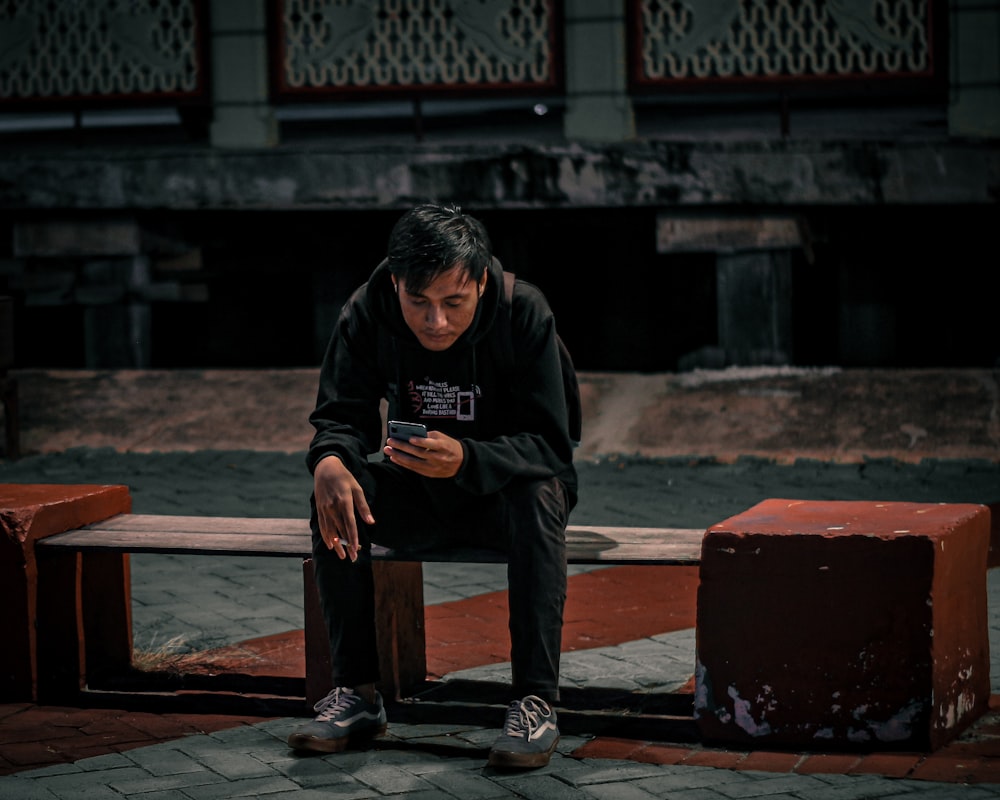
x: 166, y: 541
x: 278, y: 536
x: 158, y: 523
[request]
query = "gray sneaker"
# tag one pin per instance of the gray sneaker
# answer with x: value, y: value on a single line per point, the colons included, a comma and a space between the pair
x: 342, y: 717
x: 529, y: 735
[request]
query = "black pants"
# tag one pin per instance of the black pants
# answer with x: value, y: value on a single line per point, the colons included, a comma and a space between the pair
x: 527, y: 521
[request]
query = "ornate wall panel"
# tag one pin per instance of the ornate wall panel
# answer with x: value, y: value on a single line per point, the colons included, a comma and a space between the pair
x: 68, y: 50
x: 722, y: 41
x: 335, y: 46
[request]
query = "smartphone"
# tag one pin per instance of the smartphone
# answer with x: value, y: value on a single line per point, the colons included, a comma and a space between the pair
x: 404, y: 430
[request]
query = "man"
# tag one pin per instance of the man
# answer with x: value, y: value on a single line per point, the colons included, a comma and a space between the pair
x: 495, y: 469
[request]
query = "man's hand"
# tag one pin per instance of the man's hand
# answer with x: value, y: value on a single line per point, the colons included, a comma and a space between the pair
x: 339, y: 501
x: 435, y: 456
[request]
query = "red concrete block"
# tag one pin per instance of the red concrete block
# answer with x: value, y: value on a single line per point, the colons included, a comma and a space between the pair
x: 609, y: 747
x: 29, y: 512
x: 767, y: 761
x: 718, y: 759
x: 828, y: 764
x: 889, y: 765
x: 843, y: 624
x: 653, y: 753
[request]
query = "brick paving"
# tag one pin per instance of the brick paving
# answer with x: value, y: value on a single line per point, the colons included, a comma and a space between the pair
x: 48, y: 752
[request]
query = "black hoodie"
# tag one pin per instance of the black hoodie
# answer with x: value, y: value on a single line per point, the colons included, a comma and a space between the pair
x: 510, y: 425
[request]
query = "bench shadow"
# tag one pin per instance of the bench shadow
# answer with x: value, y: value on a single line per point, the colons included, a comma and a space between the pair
x: 588, y: 711
x: 592, y: 710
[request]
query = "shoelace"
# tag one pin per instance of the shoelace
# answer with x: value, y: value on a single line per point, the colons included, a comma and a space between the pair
x: 338, y: 701
x: 524, y: 716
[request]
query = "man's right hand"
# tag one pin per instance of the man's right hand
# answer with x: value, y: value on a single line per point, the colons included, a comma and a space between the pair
x: 339, y: 502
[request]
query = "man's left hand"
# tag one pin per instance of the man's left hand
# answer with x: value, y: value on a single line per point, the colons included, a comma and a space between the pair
x: 435, y: 456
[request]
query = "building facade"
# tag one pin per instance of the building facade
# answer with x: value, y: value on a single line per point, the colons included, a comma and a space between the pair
x: 189, y: 183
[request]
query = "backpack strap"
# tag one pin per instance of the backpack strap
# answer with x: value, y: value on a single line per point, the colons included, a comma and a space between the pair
x: 508, y: 287
x: 388, y: 362
x: 506, y: 338
x: 571, y: 385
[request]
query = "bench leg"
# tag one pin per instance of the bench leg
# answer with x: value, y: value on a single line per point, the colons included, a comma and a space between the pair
x: 107, y: 614
x: 84, y: 621
x: 61, y: 668
x: 18, y: 599
x: 399, y: 617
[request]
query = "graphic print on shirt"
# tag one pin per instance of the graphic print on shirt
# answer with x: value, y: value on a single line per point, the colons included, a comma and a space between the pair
x: 430, y: 399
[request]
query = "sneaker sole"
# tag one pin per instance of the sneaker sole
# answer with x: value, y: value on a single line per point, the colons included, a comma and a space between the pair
x: 318, y: 745
x: 505, y: 760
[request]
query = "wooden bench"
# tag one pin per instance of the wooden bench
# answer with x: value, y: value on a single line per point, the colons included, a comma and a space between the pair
x: 78, y: 645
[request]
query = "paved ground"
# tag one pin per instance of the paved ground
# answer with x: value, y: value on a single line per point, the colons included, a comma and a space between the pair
x: 184, y: 606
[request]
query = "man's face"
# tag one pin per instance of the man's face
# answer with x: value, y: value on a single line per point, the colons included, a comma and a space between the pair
x: 444, y: 310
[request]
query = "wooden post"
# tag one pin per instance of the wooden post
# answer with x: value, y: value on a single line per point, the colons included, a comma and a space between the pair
x: 62, y: 666
x: 107, y: 614
x: 399, y: 620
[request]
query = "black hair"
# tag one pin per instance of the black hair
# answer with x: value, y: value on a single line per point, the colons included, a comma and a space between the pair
x: 431, y: 239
